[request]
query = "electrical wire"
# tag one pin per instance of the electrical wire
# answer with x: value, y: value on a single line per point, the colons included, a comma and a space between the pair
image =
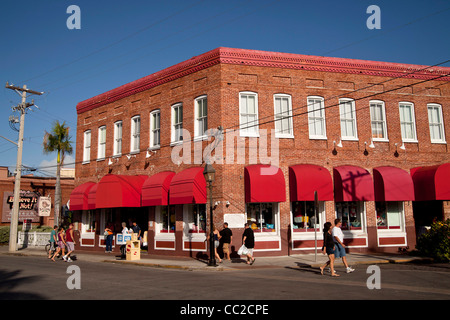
x: 293, y: 115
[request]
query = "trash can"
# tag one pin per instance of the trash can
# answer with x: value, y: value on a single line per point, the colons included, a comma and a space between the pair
x: 133, y: 250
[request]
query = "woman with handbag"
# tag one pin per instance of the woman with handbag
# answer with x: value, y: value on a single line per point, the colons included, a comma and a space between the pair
x: 328, y: 248
x: 248, y: 239
x: 109, y: 234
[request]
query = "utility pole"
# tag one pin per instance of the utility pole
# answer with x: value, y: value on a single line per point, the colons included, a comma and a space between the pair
x: 22, y: 108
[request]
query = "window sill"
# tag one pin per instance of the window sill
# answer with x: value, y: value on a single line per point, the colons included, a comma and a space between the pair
x: 176, y: 143
x: 200, y: 138
x: 284, y: 136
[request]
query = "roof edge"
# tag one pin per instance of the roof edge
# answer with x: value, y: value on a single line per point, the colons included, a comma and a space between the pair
x: 264, y: 59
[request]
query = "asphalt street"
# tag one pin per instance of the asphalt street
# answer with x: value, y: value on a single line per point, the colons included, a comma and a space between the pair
x: 32, y: 277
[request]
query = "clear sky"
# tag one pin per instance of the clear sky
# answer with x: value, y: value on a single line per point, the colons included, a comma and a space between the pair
x: 121, y: 41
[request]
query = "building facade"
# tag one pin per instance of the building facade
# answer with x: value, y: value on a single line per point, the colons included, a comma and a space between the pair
x: 369, y: 138
x: 31, y: 189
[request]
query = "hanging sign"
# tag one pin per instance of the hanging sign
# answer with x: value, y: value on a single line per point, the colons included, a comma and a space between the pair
x: 45, y: 206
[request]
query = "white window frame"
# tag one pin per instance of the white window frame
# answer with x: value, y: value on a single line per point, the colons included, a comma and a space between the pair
x: 117, y: 148
x: 276, y: 220
x: 362, y: 209
x: 312, y: 118
x: 155, y: 129
x: 382, y: 121
x: 244, y: 130
x: 279, y: 116
x: 440, y: 124
x: 135, y: 134
x: 101, y: 149
x: 403, y: 122
x: 348, y: 119
x: 178, y: 126
x: 200, y: 118
x: 87, y: 146
x: 401, y: 218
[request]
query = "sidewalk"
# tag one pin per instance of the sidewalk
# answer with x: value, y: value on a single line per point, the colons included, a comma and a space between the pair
x: 186, y: 263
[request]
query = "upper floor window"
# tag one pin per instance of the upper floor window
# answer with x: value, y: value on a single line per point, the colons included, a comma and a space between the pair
x: 436, y: 123
x: 155, y: 129
x: 87, y: 146
x: 135, y: 133
x: 407, y: 122
x: 117, y: 148
x: 177, y: 122
x: 101, y: 143
x: 316, y: 118
x: 201, y: 116
x: 248, y: 114
x: 378, y: 120
x: 283, y: 116
x: 347, y: 114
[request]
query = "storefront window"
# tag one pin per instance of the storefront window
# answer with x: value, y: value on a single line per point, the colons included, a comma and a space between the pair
x: 261, y: 217
x: 303, y: 217
x: 89, y: 221
x: 351, y: 214
x: 196, y: 216
x: 167, y: 219
x: 389, y: 214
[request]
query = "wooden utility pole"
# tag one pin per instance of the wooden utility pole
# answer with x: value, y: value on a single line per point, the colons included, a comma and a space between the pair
x: 22, y: 108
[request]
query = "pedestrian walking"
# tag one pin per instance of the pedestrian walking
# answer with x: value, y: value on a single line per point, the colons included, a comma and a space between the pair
x: 216, y: 237
x: 338, y: 237
x: 61, y: 243
x: 70, y: 243
x: 53, y: 241
x: 137, y: 229
x: 328, y: 248
x: 125, y: 231
x: 227, y: 237
x: 248, y: 239
x: 109, y: 234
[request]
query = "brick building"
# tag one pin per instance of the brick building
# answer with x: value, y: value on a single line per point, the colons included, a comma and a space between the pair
x: 369, y: 137
x: 32, y: 187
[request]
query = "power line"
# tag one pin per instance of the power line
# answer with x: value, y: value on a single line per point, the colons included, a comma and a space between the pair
x: 296, y: 115
x: 116, y: 42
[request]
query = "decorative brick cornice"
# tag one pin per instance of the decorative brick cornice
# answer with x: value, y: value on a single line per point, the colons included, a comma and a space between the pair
x: 264, y: 59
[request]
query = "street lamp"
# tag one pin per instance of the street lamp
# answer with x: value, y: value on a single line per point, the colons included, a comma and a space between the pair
x: 209, y: 173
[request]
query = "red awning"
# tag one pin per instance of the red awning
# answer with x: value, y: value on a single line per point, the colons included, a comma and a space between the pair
x: 352, y: 183
x: 264, y: 183
x: 79, y: 196
x: 188, y: 186
x: 432, y: 183
x: 116, y: 191
x: 92, y: 197
x: 304, y: 179
x: 392, y: 184
x: 155, y: 190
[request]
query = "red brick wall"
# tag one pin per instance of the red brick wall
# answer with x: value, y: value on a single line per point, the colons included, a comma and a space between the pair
x: 222, y: 84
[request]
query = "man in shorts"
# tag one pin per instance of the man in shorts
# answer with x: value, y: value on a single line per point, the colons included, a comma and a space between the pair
x: 338, y: 237
x: 70, y: 243
x: 226, y: 237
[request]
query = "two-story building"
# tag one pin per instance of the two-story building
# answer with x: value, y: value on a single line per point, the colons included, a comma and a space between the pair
x: 370, y: 138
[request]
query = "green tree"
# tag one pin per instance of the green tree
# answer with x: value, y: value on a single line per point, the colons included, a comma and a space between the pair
x: 58, y: 140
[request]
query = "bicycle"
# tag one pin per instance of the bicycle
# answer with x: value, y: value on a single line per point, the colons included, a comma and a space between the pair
x: 48, y: 246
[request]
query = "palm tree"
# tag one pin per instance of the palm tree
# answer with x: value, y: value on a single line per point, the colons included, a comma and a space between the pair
x: 58, y: 140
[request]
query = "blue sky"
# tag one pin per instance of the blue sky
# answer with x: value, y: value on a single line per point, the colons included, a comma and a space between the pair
x: 121, y: 41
